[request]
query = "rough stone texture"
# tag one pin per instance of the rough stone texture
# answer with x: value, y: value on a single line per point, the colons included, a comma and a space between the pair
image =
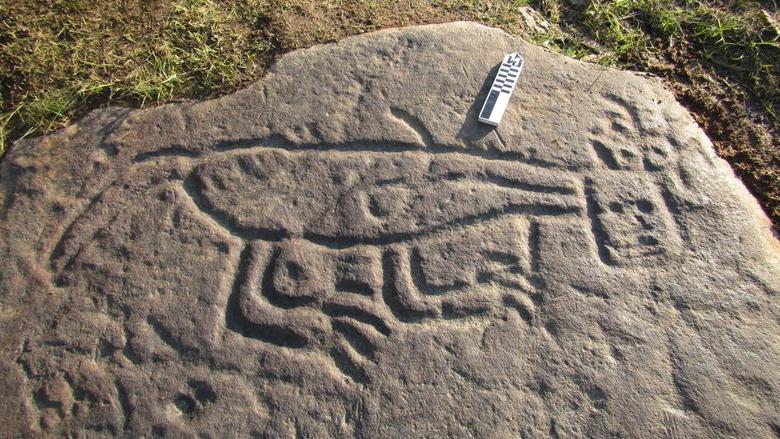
x: 341, y: 249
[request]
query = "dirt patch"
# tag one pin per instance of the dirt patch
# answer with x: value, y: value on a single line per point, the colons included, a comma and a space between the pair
x: 749, y: 146
x: 740, y: 124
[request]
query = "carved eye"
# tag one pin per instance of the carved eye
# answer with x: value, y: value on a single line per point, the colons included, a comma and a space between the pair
x: 295, y: 271
x: 300, y: 274
x: 616, y: 207
x: 389, y: 201
x: 644, y: 205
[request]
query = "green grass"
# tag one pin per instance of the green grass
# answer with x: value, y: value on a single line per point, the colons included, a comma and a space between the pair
x: 736, y: 37
x: 62, y: 58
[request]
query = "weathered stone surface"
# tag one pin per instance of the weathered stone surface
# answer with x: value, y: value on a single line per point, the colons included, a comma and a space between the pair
x: 341, y: 249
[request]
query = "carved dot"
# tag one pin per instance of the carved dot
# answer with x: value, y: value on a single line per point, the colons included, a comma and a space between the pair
x: 644, y: 205
x: 648, y: 240
x: 551, y: 327
x: 616, y: 207
x: 626, y: 153
x: 185, y: 404
x: 57, y: 208
x: 455, y: 175
x: 373, y: 207
x: 203, y: 391
x: 597, y: 396
x: 295, y: 270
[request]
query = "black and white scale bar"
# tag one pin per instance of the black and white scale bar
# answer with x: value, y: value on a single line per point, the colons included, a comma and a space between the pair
x: 498, y: 98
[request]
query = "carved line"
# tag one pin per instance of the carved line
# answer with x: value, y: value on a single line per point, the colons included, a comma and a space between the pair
x: 270, y: 292
x: 503, y: 258
x: 70, y: 262
x: 605, y: 155
x: 630, y: 109
x: 174, y: 151
x: 402, y: 303
x: 339, y: 243
x: 191, y: 185
x: 596, y: 228
x: 124, y: 404
x: 347, y: 366
x: 534, y: 249
x: 359, y: 342
x: 520, y: 307
x: 350, y: 286
x: 353, y: 312
x: 679, y: 381
x: 58, y: 250
x: 491, y: 177
x: 451, y: 312
x: 675, y: 207
x: 169, y: 339
x: 415, y: 125
x: 429, y: 146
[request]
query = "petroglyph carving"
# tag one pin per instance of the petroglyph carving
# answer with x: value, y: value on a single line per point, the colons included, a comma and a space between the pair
x: 343, y: 250
x: 631, y: 224
x: 632, y: 138
x: 345, y: 244
x: 336, y: 268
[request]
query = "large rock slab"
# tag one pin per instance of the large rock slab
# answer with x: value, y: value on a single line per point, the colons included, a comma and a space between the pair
x: 341, y: 249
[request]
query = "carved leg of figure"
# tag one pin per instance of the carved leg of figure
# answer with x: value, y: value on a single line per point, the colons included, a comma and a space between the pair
x: 399, y: 292
x: 251, y: 314
x: 284, y: 295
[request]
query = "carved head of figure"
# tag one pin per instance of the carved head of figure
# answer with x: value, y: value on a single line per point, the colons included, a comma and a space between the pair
x: 631, y: 223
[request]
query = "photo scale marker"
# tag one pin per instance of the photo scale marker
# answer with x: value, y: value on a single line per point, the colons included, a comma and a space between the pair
x: 498, y: 98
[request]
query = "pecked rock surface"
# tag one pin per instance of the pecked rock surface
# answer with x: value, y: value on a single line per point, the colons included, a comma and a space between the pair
x: 342, y: 250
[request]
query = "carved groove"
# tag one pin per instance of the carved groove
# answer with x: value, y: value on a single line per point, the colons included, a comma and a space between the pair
x: 344, y: 285
x: 358, y: 341
x: 59, y: 249
x: 165, y: 152
x: 597, y: 231
x: 169, y: 339
x: 630, y: 109
x: 520, y: 307
x: 605, y: 155
x: 337, y: 310
x: 191, y: 186
x: 269, y: 291
x: 237, y: 322
x: 348, y: 367
x: 124, y: 404
x: 534, y: 249
x: 509, y: 183
x: 539, y: 209
x: 415, y: 125
x: 384, y: 146
x: 393, y: 296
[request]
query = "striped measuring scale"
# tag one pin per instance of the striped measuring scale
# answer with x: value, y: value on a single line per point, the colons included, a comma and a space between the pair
x: 506, y: 78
